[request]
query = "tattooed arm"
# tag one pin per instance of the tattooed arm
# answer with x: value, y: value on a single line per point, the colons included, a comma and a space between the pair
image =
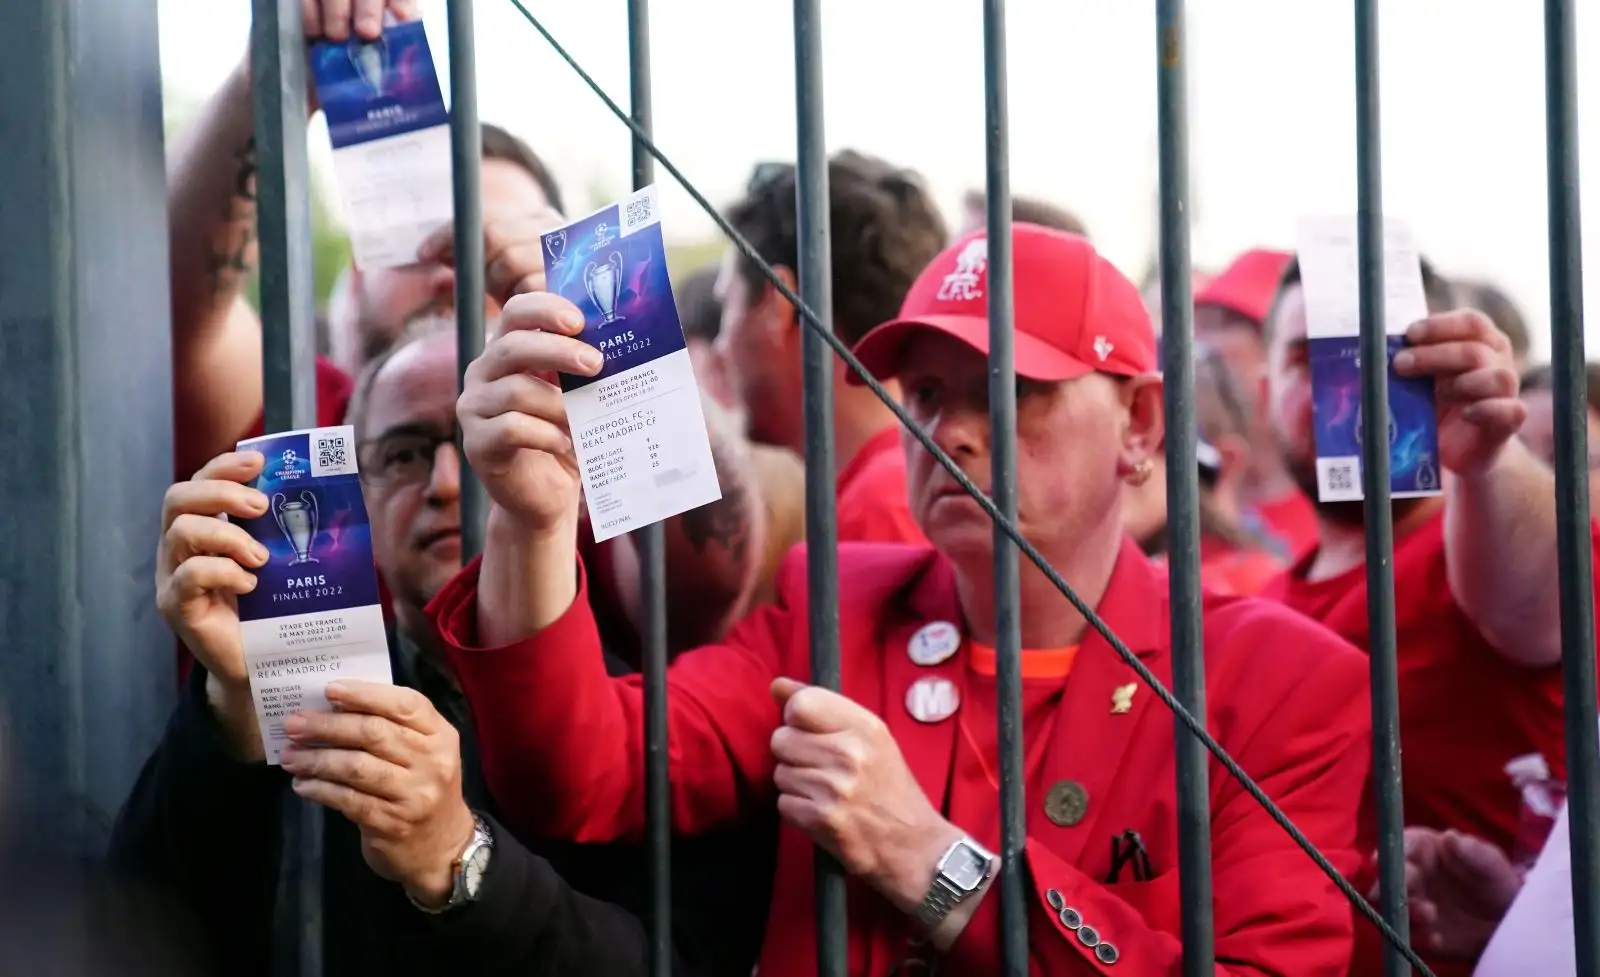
x: 216, y: 337
x: 713, y: 552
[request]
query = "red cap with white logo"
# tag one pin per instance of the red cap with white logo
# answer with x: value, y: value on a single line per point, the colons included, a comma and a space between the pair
x: 1075, y: 312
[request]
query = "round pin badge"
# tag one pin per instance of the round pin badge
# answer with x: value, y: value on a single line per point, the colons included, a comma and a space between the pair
x: 932, y: 700
x: 1066, y: 803
x: 933, y: 644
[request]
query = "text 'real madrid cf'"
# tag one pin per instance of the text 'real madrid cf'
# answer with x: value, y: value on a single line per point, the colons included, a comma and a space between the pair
x: 637, y: 425
x: 315, y: 615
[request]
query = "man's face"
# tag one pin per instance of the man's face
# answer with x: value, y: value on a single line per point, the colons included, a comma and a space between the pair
x: 1236, y: 339
x: 411, y: 469
x: 388, y: 298
x: 1068, y: 482
x: 1538, y: 433
x: 1289, y: 389
x: 757, y: 347
x: 1289, y: 409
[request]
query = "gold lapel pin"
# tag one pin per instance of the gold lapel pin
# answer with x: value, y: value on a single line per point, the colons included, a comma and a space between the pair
x: 1122, y: 698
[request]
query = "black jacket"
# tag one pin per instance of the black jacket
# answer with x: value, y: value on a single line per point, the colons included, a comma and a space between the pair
x: 206, y: 831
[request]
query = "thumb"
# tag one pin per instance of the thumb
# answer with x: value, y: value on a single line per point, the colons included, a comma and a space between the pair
x: 1477, y: 856
x: 783, y: 689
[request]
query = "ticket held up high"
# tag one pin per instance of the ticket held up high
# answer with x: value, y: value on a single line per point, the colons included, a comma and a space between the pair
x: 391, y: 141
x: 1329, y: 270
x: 638, y: 426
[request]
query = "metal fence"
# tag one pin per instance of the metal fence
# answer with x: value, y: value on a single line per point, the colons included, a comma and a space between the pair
x: 287, y: 309
x: 286, y: 277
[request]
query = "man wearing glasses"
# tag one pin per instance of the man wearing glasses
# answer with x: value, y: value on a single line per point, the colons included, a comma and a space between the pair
x: 201, y: 824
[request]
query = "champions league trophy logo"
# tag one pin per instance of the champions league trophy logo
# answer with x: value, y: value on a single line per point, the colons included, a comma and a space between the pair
x: 1394, y: 429
x: 556, y: 244
x: 298, y: 520
x: 371, y: 61
x: 1427, y: 475
x: 603, y: 281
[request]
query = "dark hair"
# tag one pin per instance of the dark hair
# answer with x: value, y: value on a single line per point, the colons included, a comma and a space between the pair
x: 1438, y: 291
x: 502, y: 145
x: 698, y: 307
x: 1034, y: 211
x: 1497, y: 305
x: 1541, y: 378
x: 885, y: 229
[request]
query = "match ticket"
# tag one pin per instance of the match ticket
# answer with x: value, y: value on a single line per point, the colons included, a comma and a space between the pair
x: 391, y: 141
x: 638, y: 425
x: 1329, y: 269
x: 315, y: 615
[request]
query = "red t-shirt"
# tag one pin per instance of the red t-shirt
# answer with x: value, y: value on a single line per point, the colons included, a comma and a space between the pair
x: 1292, y: 521
x: 1465, y: 711
x: 870, y: 495
x: 1233, y: 571
x: 334, y: 390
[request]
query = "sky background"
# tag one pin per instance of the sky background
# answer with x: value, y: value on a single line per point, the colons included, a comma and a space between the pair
x: 1272, y: 125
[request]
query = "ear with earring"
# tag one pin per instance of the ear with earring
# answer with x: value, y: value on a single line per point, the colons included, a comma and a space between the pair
x: 1141, y: 472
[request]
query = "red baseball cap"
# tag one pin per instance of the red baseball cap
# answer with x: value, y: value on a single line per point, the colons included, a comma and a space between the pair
x: 1248, y: 285
x: 1075, y: 312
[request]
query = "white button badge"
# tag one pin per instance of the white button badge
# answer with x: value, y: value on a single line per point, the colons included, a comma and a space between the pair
x: 932, y: 700
x: 933, y: 644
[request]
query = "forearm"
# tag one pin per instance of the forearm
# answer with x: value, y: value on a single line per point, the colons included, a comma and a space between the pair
x: 528, y: 579
x: 1500, y: 551
x: 233, y: 710
x: 562, y: 740
x: 211, y: 206
x: 713, y: 552
x: 529, y: 921
x: 216, y: 337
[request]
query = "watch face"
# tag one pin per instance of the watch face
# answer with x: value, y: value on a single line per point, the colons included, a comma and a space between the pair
x: 965, y: 868
x: 473, y: 869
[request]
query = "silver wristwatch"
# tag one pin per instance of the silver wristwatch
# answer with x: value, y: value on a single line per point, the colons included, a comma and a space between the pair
x: 469, y: 870
x: 966, y: 865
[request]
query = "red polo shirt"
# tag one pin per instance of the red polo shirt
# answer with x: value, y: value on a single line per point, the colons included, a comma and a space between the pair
x: 1465, y: 711
x: 1292, y: 519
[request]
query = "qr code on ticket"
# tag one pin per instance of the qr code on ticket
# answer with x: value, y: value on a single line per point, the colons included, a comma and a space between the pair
x: 640, y: 210
x: 1339, y: 479
x: 332, y: 454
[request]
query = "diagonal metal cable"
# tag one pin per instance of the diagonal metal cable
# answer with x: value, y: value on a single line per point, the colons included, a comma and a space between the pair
x: 983, y: 500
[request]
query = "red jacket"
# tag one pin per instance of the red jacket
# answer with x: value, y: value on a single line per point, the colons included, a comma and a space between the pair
x: 562, y: 746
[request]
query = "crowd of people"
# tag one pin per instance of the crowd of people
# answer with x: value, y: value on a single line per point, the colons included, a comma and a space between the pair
x: 485, y: 813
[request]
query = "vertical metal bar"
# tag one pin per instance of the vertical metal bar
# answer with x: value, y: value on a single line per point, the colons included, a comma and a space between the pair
x: 1183, y: 491
x: 814, y: 246
x: 1003, y: 489
x: 288, y: 305
x: 283, y: 182
x: 466, y: 168
x: 1572, y: 479
x: 86, y: 683
x: 653, y: 577
x: 1375, y: 491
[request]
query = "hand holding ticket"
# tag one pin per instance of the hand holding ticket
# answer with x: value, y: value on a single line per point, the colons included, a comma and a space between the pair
x: 390, y: 133
x: 312, y: 615
x: 1328, y: 257
x: 626, y: 418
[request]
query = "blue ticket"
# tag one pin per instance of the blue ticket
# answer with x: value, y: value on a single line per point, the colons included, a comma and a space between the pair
x: 315, y: 615
x: 1328, y: 258
x: 638, y: 426
x: 391, y: 140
